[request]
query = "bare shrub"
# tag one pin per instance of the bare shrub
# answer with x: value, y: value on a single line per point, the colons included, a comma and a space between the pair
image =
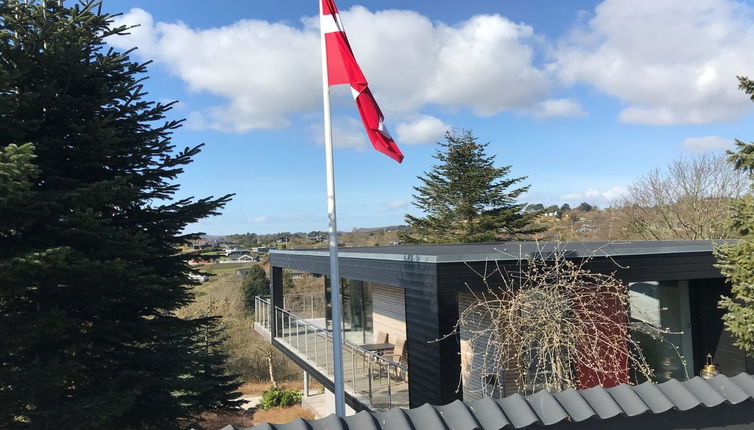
x: 553, y: 324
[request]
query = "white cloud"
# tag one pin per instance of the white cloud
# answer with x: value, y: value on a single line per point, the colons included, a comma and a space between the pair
x: 706, y: 143
x: 424, y: 129
x: 394, y: 205
x: 558, y: 108
x: 670, y: 61
x: 260, y: 219
x: 593, y: 195
x: 268, y: 71
x: 347, y: 132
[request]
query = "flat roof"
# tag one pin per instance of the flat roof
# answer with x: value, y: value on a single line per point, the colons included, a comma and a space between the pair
x: 512, y: 251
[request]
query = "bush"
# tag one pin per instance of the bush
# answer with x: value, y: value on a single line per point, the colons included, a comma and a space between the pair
x: 277, y: 398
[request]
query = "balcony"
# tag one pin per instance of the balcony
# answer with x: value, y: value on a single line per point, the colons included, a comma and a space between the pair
x: 374, y: 379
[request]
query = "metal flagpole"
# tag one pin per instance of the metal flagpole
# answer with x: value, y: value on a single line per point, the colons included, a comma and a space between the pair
x: 337, y: 345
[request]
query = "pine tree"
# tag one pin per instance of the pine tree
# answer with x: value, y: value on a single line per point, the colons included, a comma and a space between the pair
x: 90, y: 271
x: 467, y: 199
x: 736, y: 261
x: 255, y: 284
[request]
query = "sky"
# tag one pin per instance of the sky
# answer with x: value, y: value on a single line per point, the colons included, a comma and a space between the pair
x: 580, y: 97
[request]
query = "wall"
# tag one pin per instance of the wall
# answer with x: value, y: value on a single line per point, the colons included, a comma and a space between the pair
x: 389, y: 312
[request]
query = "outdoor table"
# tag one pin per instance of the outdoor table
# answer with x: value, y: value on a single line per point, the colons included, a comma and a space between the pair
x: 379, y: 349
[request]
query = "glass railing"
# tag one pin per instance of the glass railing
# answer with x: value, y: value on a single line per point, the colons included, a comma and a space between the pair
x: 262, y: 313
x: 305, y: 305
x: 372, y: 378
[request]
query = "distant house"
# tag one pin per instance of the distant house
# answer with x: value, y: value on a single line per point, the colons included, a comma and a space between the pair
x: 283, y: 239
x: 318, y: 237
x: 241, y: 259
x: 260, y: 249
x: 236, y: 252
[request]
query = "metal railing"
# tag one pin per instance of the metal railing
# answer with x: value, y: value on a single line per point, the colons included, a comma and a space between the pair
x: 262, y: 313
x: 305, y: 305
x: 373, y: 379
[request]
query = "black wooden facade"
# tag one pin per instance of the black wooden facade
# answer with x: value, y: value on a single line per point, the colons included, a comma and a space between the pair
x: 432, y: 276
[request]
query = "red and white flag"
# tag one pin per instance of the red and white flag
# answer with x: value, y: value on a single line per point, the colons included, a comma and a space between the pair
x: 343, y: 69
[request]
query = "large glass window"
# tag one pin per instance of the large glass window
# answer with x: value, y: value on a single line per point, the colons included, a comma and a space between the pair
x: 357, y: 309
x: 662, y: 325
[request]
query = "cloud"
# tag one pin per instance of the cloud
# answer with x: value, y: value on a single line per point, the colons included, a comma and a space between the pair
x: 594, y: 195
x: 260, y: 219
x: 424, y: 129
x: 706, y: 143
x: 347, y: 132
x: 266, y: 72
x: 669, y: 62
x: 554, y: 108
x: 394, y: 205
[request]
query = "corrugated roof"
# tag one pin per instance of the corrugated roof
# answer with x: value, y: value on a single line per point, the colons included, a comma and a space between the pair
x: 543, y: 408
x: 513, y: 250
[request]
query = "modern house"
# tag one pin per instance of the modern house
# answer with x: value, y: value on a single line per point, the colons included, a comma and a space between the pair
x: 401, y: 302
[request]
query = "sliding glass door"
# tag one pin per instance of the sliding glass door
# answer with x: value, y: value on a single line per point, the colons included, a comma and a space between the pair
x: 357, y: 309
x: 661, y: 322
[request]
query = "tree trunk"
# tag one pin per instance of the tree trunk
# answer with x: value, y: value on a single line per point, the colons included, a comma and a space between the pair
x: 269, y: 367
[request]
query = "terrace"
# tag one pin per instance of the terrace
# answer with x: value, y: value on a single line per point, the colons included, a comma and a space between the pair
x: 375, y: 373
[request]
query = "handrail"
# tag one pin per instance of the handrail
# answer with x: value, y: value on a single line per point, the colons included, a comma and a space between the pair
x: 345, y: 341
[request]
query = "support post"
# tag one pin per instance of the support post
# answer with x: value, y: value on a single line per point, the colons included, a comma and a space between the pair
x: 276, y: 299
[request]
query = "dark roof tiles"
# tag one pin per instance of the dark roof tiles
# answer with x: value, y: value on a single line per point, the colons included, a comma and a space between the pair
x: 517, y: 409
x: 458, y: 417
x: 543, y: 408
x: 578, y: 409
x: 548, y: 409
x: 489, y: 414
x: 601, y: 402
x: 655, y: 400
x: 627, y: 400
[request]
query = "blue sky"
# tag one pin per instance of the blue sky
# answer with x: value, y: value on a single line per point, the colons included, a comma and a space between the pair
x: 580, y: 96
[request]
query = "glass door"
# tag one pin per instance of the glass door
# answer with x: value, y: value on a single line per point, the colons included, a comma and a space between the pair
x: 357, y: 310
x: 661, y: 322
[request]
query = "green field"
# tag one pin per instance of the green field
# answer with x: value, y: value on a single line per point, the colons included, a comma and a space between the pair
x: 220, y: 268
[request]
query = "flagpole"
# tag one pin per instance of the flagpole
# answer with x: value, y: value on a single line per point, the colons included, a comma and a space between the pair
x: 337, y: 345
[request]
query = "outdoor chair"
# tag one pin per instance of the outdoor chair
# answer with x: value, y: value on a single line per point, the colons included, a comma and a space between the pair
x: 399, y: 356
x: 381, y: 337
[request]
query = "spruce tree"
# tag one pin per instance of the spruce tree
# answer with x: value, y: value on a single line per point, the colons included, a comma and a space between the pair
x: 465, y: 198
x: 90, y: 270
x: 736, y: 260
x: 255, y: 284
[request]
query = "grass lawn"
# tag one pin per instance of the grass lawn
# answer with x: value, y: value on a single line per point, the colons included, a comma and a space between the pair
x: 220, y: 268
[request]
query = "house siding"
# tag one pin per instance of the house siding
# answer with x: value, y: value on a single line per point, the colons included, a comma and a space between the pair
x: 389, y: 312
x: 473, y: 369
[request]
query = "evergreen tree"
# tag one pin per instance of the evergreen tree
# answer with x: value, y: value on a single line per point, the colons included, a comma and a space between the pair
x: 255, y: 284
x: 736, y: 261
x: 89, y: 236
x: 465, y: 198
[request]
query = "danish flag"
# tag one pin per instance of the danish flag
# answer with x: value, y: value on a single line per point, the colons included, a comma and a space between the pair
x: 343, y: 69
